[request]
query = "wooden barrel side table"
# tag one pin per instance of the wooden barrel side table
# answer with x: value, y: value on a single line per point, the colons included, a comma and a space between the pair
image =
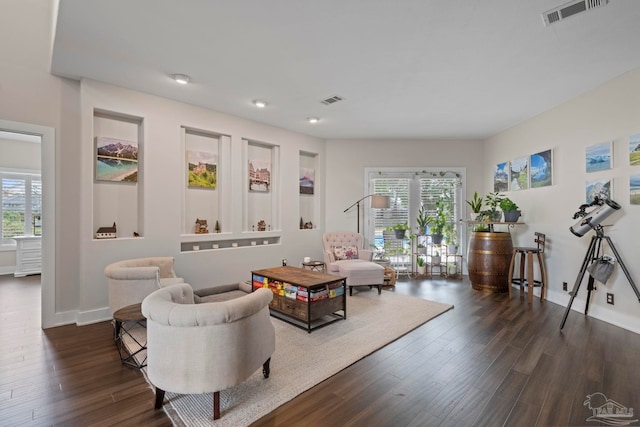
x: 488, y: 261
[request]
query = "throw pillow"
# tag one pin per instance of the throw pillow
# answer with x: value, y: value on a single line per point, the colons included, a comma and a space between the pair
x: 345, y: 252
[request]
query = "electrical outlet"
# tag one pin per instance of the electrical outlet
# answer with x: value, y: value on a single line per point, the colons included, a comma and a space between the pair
x: 564, y: 286
x: 609, y: 298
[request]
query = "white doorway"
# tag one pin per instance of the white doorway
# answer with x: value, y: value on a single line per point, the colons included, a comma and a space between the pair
x: 48, y: 176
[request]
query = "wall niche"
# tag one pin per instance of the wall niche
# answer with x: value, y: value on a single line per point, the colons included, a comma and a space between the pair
x: 118, y: 174
x: 308, y: 190
x: 261, y: 201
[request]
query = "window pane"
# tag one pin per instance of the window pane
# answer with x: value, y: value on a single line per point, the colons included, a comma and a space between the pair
x: 36, y: 207
x: 398, y: 212
x: 13, y: 205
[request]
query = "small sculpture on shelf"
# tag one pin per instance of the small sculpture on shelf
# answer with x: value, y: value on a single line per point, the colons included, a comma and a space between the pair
x: 308, y: 225
x: 201, y: 226
x: 262, y: 226
x: 136, y: 234
x: 301, y: 223
x: 217, y: 227
x: 106, y: 232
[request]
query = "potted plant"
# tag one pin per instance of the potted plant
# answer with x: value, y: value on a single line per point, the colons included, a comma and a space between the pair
x: 399, y: 229
x: 451, y: 235
x: 422, y: 248
x: 510, y: 210
x: 422, y: 220
x: 476, y: 205
x: 422, y: 265
x: 436, y: 259
x: 438, y: 220
x: 492, y: 200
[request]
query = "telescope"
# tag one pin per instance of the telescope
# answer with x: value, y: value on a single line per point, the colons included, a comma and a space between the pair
x: 591, y: 220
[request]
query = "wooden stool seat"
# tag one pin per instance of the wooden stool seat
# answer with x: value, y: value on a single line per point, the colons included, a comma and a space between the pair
x: 526, y: 259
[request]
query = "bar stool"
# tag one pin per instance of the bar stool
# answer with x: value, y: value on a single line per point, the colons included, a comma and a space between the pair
x: 528, y: 252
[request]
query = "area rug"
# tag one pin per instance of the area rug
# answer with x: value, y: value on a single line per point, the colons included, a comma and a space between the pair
x: 302, y: 360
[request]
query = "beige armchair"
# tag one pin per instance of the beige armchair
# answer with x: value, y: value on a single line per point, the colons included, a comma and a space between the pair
x: 133, y: 279
x: 344, y: 254
x: 208, y: 347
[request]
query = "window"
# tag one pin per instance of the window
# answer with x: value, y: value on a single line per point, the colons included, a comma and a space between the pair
x: 20, y: 205
x: 408, y: 191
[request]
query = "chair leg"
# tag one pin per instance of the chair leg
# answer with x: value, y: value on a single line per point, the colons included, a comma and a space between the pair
x: 543, y: 277
x: 379, y: 289
x: 266, y: 370
x: 159, y: 398
x: 510, y: 276
x: 530, y: 281
x: 522, y: 277
x: 216, y: 405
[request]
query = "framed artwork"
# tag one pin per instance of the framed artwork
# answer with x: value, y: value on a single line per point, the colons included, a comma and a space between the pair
x: 634, y: 150
x: 519, y: 173
x: 598, y: 187
x: 259, y: 175
x: 116, y: 160
x: 634, y: 189
x: 501, y: 177
x: 599, y: 157
x: 307, y: 180
x: 203, y: 169
x: 541, y: 169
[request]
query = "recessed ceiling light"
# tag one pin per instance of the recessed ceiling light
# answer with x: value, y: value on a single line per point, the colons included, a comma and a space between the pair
x: 259, y: 103
x: 313, y: 119
x: 183, y: 79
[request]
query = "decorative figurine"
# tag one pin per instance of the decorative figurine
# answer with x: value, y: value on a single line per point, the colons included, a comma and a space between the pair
x: 106, y: 232
x: 217, y: 228
x: 262, y: 226
x: 308, y: 225
x: 301, y: 223
x: 201, y: 226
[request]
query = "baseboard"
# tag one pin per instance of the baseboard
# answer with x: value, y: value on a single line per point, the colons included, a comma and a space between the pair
x: 7, y: 270
x: 93, y: 316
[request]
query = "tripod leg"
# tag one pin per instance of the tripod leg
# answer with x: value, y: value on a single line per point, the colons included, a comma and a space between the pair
x: 587, y: 258
x: 590, y: 288
x: 624, y: 267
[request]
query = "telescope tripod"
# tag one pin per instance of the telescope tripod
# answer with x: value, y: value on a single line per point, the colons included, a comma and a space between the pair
x: 593, y: 253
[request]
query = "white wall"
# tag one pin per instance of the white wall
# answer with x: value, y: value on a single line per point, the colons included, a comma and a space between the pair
x: 608, y: 113
x: 163, y: 182
x: 346, y: 160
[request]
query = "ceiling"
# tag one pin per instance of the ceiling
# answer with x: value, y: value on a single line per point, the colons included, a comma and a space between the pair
x: 407, y: 69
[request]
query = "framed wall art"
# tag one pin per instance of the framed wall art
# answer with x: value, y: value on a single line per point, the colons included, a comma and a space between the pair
x: 519, y: 173
x: 501, y: 177
x: 599, y: 157
x: 634, y: 189
x: 541, y: 169
x: 259, y: 175
x: 634, y: 150
x: 598, y: 187
x: 203, y: 170
x: 307, y: 180
x: 116, y: 160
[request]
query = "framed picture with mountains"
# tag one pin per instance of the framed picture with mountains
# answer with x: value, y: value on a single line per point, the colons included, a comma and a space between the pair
x: 202, y: 169
x: 116, y: 160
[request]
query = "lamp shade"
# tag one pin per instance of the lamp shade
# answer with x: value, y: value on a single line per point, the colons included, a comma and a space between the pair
x: 379, y: 202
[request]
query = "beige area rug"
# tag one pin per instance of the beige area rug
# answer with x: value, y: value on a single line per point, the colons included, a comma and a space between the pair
x: 302, y: 360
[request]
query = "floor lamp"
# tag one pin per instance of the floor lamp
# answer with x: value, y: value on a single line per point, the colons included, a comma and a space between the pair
x: 377, y: 202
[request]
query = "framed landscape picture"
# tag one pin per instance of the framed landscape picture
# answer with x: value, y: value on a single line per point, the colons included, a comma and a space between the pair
x: 634, y: 189
x: 307, y: 180
x: 598, y: 187
x: 501, y: 177
x: 519, y: 173
x: 116, y: 160
x: 599, y: 157
x: 259, y: 175
x: 203, y: 170
x: 541, y: 169
x: 634, y: 150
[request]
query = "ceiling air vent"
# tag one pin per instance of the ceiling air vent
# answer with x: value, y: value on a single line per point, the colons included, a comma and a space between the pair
x: 332, y: 100
x: 569, y: 9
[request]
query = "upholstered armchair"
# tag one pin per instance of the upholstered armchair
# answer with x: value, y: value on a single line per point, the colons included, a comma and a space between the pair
x: 343, y: 247
x: 133, y: 279
x: 208, y: 347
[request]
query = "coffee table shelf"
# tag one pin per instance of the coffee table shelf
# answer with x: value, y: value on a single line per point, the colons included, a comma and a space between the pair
x: 309, y: 314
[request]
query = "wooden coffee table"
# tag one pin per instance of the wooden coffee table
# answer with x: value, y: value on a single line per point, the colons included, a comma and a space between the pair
x: 307, y: 314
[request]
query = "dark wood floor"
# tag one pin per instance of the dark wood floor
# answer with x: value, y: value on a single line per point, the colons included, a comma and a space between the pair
x: 490, y: 361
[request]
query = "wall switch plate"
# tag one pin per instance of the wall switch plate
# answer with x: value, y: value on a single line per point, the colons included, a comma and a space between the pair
x: 564, y: 286
x: 609, y: 298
